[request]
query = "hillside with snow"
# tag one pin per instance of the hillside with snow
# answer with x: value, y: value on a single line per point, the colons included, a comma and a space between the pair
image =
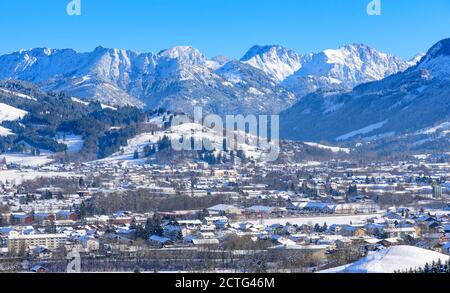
x: 390, y: 260
x: 329, y: 148
x: 9, y: 113
x: 188, y: 131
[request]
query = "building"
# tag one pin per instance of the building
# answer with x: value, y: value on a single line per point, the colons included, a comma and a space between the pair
x: 20, y: 243
x: 401, y: 232
x: 437, y: 190
x: 21, y: 218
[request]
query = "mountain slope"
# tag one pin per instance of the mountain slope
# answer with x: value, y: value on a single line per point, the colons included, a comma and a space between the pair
x: 102, y: 75
x: 404, y: 102
x: 276, y: 61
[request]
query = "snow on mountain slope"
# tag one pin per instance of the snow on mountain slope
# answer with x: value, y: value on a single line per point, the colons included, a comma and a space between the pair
x: 184, y: 63
x: 364, y: 130
x: 5, y: 131
x: 79, y: 101
x: 186, y: 130
x: 8, y: 113
x: 396, y: 258
x: 330, y: 148
x: 103, y: 74
x: 217, y: 62
x: 444, y: 126
x: 276, y: 61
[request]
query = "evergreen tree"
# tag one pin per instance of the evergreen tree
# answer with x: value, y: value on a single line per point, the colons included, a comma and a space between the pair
x: 153, y: 226
x: 180, y: 235
x: 164, y: 143
x: 142, y: 233
x: 317, y: 228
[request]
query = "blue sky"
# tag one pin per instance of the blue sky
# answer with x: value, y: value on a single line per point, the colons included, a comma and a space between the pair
x: 228, y: 27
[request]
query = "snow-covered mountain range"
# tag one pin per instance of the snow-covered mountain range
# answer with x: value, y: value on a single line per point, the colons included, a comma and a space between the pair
x: 339, y: 94
x: 408, y: 101
x: 343, y: 69
x: 268, y: 79
x: 331, y: 70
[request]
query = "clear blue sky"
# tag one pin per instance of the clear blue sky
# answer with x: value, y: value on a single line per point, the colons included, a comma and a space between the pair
x: 228, y: 27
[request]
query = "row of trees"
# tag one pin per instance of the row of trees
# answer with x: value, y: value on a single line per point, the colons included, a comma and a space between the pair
x: 436, y: 267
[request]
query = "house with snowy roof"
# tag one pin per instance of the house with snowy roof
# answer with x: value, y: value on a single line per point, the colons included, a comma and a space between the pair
x: 224, y: 209
x: 160, y: 241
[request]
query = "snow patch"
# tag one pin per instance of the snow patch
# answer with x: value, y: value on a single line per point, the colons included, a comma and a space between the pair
x: 76, y: 100
x: 397, y: 258
x: 364, y: 130
x: 330, y: 148
x: 9, y: 113
x: 73, y: 142
x: 5, y: 131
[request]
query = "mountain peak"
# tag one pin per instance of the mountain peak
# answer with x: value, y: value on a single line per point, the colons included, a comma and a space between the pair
x: 276, y: 61
x: 437, y: 60
x: 358, y: 46
x: 180, y: 52
x: 441, y: 48
x: 260, y: 50
x: 44, y: 51
x: 218, y: 61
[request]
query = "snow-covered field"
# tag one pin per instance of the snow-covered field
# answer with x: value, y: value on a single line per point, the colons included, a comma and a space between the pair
x: 73, y: 142
x: 27, y: 160
x: 396, y: 258
x: 330, y: 220
x: 24, y: 175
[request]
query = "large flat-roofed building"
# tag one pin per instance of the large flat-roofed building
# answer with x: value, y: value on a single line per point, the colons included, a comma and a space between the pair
x: 19, y: 243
